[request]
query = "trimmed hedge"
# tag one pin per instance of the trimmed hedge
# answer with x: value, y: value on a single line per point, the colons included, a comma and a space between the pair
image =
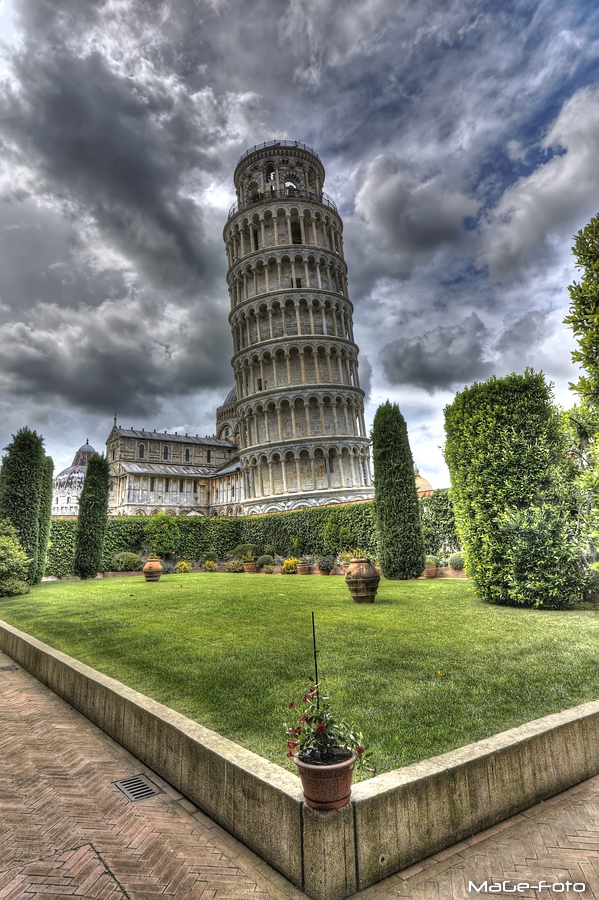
x: 198, y: 536
x: 309, y: 526
x: 438, y: 524
x: 513, y: 493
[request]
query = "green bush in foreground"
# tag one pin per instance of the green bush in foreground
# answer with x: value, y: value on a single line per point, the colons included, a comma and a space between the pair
x: 400, y: 547
x: 456, y: 561
x: 126, y: 562
x: 92, y: 518
x: 14, y: 562
x: 511, y: 486
x: 438, y: 523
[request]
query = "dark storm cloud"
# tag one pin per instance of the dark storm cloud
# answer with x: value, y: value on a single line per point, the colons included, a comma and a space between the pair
x: 458, y: 140
x: 119, y: 151
x: 128, y: 355
x: 440, y: 358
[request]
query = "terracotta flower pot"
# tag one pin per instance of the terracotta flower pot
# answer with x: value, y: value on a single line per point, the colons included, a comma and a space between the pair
x: 324, y: 571
x: 430, y: 571
x: 152, y: 570
x: 327, y: 787
x: 249, y: 567
x: 303, y: 569
x: 362, y: 580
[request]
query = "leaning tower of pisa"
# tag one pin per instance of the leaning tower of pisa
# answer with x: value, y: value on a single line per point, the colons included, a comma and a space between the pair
x: 302, y: 437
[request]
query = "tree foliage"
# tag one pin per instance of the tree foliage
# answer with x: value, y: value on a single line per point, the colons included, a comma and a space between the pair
x: 438, y: 524
x: 583, y: 315
x: 513, y: 494
x: 398, y: 531
x: 92, y: 518
x: 24, y: 478
x: 162, y: 533
x: 14, y: 562
x: 45, y: 517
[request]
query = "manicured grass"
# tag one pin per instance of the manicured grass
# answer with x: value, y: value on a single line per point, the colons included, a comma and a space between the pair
x: 427, y: 668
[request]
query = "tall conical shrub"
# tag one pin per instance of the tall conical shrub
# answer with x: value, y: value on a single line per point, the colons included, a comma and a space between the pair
x: 22, y: 482
x: 92, y: 518
x: 45, y: 516
x: 398, y: 532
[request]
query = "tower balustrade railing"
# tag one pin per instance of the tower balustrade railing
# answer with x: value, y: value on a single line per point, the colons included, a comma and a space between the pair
x: 284, y: 194
x: 292, y: 144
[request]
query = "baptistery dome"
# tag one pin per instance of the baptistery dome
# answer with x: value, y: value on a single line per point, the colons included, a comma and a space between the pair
x: 67, y: 485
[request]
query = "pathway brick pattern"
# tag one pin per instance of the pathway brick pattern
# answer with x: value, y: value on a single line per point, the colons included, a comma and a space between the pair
x: 556, y: 841
x: 67, y: 831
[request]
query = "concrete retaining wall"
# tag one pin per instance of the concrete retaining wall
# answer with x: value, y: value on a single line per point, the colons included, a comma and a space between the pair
x: 394, y: 819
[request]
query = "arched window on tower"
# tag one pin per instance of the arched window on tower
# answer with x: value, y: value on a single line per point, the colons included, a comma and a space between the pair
x: 187, y: 455
x: 141, y: 451
x: 165, y: 453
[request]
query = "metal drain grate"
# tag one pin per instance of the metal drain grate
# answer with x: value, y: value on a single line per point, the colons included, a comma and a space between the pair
x: 137, y: 787
x: 9, y: 668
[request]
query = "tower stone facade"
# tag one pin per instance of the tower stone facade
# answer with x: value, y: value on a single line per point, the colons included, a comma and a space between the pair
x: 299, y: 406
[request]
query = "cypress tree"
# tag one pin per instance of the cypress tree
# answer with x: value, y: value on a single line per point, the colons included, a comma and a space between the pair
x: 45, y: 516
x: 398, y: 532
x: 92, y: 518
x: 21, y: 481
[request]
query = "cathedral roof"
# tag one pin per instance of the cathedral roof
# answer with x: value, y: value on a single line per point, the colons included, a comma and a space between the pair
x: 164, y: 436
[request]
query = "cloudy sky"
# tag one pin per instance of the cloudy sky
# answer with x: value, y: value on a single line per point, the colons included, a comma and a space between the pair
x: 460, y: 140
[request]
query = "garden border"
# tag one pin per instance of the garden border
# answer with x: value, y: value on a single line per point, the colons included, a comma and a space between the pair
x: 393, y: 821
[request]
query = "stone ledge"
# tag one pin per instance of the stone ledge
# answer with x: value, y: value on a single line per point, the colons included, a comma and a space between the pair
x: 393, y: 821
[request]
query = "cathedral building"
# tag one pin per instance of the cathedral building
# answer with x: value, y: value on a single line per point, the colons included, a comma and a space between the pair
x: 180, y: 474
x: 291, y: 433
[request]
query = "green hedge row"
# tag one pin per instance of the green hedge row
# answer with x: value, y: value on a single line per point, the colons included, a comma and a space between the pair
x: 308, y: 526
x: 194, y: 536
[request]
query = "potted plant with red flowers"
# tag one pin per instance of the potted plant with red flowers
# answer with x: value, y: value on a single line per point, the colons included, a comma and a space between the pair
x: 325, y: 749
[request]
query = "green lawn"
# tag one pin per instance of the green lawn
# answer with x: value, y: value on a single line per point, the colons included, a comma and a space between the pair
x: 427, y: 668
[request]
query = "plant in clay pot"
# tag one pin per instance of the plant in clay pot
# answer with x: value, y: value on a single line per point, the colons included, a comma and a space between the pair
x: 430, y: 567
x: 289, y: 566
x: 304, y: 565
x: 325, y: 749
x: 249, y: 561
x: 345, y: 557
x: 326, y: 563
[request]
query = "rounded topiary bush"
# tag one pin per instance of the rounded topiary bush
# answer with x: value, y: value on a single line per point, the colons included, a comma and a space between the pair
x: 456, y: 561
x: 430, y: 560
x: 126, y: 562
x: 265, y: 560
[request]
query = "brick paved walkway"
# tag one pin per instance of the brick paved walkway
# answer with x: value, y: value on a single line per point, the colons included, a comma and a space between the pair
x: 66, y: 831
x: 556, y: 841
